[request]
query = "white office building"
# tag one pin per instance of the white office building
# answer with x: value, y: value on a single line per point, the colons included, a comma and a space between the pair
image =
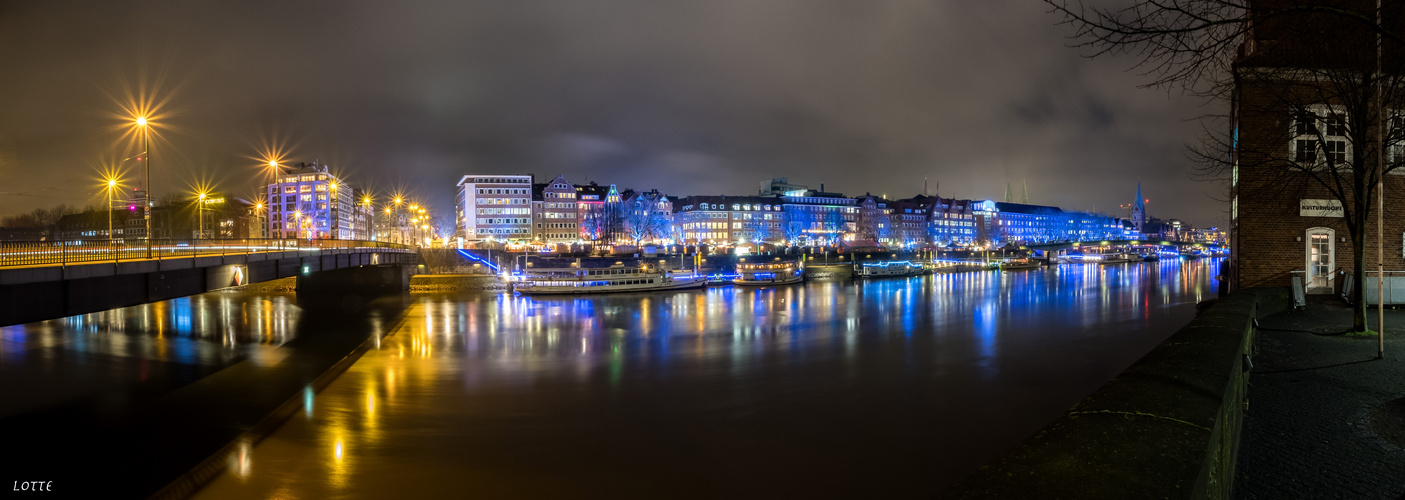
x: 494, y: 207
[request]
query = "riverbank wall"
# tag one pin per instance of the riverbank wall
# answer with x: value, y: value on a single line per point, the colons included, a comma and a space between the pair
x: 832, y: 271
x: 1167, y: 427
x: 455, y: 282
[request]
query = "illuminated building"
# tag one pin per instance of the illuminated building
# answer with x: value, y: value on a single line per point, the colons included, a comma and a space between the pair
x: 816, y: 217
x: 1004, y: 223
x: 932, y: 220
x: 555, y: 212
x: 874, y: 223
x: 309, y: 203
x: 647, y: 216
x: 494, y: 207
x: 590, y: 207
x: 729, y: 219
x: 361, y: 216
x: 92, y: 225
x: 781, y: 186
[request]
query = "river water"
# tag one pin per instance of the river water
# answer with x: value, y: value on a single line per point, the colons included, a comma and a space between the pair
x: 889, y: 388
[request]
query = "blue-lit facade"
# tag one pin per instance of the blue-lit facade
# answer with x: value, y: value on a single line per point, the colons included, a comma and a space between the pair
x: 310, y: 203
x: 1002, y: 223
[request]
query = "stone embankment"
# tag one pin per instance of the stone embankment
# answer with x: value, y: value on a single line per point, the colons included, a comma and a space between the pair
x: 280, y: 285
x: 1167, y: 427
x: 455, y: 282
x: 832, y: 271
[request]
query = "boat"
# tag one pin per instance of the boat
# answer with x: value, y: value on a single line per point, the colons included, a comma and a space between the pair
x: 888, y: 269
x: 774, y: 273
x: 1119, y: 258
x: 720, y: 279
x: 573, y: 281
x: 1020, y: 264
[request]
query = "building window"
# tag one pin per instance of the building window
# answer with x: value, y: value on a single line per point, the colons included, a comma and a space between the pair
x: 1317, y: 130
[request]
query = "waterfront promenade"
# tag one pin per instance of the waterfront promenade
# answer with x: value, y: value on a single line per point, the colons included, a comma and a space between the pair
x: 1316, y: 427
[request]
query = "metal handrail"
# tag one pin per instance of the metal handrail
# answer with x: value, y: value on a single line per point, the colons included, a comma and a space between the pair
x: 37, y: 253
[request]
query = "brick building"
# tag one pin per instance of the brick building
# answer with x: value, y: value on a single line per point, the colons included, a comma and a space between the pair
x: 1302, y: 120
x: 555, y: 214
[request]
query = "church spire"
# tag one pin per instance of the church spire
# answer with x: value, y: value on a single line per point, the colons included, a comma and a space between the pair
x: 1139, y: 210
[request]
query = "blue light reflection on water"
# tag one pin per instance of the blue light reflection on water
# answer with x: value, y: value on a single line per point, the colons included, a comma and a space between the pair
x: 986, y: 309
x: 190, y: 330
x: 889, y: 387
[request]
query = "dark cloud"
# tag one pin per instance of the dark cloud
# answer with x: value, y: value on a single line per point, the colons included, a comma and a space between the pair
x: 697, y: 97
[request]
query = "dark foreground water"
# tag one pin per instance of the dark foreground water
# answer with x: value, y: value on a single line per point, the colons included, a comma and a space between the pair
x: 878, y: 389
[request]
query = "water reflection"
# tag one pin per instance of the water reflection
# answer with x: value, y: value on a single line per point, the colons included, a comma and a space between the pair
x: 180, y: 340
x: 880, y: 388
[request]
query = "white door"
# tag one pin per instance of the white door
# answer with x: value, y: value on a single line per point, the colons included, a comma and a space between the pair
x: 1321, y: 259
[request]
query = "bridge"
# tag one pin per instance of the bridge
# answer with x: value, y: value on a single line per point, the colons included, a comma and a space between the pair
x: 51, y: 279
x: 1049, y: 247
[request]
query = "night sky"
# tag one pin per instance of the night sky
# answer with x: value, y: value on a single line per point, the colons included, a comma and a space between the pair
x: 702, y: 97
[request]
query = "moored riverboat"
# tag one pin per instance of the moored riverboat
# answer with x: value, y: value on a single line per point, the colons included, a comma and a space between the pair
x: 773, y: 273
x: 888, y: 269
x: 572, y: 281
x: 1019, y: 264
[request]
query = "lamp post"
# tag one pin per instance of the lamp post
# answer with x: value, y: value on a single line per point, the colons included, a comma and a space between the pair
x: 387, y: 218
x: 273, y: 189
x: 200, y: 217
x: 258, y: 209
x: 146, y: 208
x: 371, y: 214
x: 111, y: 184
x: 399, y: 230
x: 333, y: 223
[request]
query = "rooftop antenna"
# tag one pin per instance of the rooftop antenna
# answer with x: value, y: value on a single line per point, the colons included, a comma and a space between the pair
x: 924, y: 187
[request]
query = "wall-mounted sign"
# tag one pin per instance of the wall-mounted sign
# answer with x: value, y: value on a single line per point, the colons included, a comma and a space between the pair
x: 1321, y: 208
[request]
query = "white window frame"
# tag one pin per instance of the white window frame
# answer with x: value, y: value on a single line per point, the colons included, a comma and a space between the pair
x: 1395, y: 152
x: 1320, y: 113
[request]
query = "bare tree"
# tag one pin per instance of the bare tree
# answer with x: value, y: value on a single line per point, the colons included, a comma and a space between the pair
x: 612, y: 222
x: 593, y: 223
x: 644, y: 219
x: 1319, y: 79
x: 797, y: 221
x: 835, y: 225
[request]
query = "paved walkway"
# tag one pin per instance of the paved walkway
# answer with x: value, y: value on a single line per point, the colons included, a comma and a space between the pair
x: 1308, y: 431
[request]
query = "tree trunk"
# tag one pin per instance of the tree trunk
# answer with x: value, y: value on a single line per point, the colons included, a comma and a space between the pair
x: 1358, y: 294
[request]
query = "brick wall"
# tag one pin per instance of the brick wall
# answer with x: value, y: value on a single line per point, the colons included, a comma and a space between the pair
x: 1269, y: 234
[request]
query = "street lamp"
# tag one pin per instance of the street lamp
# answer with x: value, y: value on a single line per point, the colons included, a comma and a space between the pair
x: 111, y: 185
x: 146, y: 150
x: 200, y: 216
x: 258, y: 209
x: 273, y: 188
x: 371, y: 228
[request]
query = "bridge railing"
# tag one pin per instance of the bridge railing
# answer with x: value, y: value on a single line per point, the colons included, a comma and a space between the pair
x: 36, y: 253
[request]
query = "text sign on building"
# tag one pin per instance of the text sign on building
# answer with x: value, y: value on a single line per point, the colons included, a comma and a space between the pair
x: 1321, y: 208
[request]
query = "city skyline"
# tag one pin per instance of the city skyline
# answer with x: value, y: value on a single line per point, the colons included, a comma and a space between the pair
x: 651, y: 95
